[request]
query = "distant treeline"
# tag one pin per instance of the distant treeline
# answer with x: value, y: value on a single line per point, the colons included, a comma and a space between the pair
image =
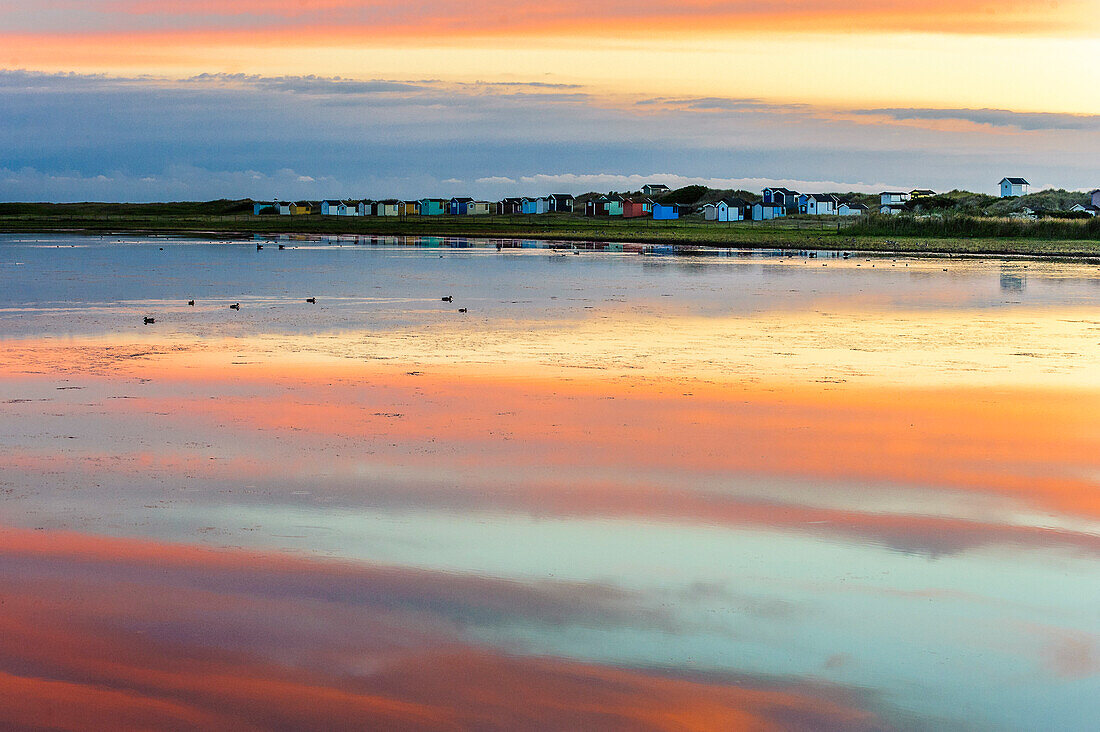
x: 1053, y: 202
x: 963, y: 226
x: 221, y: 207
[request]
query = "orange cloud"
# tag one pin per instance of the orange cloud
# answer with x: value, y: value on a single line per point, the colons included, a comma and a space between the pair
x: 343, y: 20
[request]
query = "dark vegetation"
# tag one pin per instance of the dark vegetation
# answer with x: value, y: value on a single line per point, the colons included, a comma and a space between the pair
x: 975, y: 227
x: 1051, y: 202
x: 221, y: 207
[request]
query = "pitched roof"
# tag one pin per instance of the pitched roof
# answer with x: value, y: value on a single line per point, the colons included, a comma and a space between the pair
x: 1016, y: 181
x: 922, y: 192
x: 565, y: 196
x: 462, y: 200
x: 824, y: 197
x: 656, y: 185
x: 733, y: 202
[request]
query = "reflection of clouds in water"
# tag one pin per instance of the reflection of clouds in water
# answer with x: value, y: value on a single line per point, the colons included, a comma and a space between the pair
x: 736, y: 465
x: 140, y: 634
x: 381, y: 285
x: 1026, y: 348
x: 877, y: 464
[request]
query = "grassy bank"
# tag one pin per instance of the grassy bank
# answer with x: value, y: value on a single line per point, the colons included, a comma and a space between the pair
x: 976, y: 227
x: 794, y: 232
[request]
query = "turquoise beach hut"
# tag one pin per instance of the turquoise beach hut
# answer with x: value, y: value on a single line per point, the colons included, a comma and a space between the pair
x: 432, y: 207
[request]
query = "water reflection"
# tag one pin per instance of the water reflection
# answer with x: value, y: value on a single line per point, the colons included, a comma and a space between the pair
x: 699, y: 492
x: 1013, y: 277
x: 137, y: 634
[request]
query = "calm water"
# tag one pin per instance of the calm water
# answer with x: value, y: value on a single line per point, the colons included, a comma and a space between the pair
x: 622, y: 491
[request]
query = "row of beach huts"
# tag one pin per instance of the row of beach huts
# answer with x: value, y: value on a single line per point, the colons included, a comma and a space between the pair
x: 422, y: 207
x: 774, y: 203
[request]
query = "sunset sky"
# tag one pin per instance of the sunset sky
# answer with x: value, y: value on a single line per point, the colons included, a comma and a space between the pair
x: 143, y: 100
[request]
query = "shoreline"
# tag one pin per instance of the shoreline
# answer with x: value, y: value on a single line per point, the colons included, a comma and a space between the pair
x: 684, y: 235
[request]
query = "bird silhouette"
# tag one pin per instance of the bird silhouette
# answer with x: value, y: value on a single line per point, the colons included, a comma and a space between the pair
x: 447, y: 299
x: 259, y: 246
x: 311, y: 299
x: 462, y: 310
x: 149, y: 321
x: 235, y: 306
x: 191, y: 302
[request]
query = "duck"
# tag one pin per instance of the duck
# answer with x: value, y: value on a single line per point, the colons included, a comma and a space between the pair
x: 311, y: 300
x: 462, y: 310
x: 150, y: 321
x: 449, y: 298
x: 281, y: 247
x: 191, y: 303
x: 259, y: 246
x: 235, y: 306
